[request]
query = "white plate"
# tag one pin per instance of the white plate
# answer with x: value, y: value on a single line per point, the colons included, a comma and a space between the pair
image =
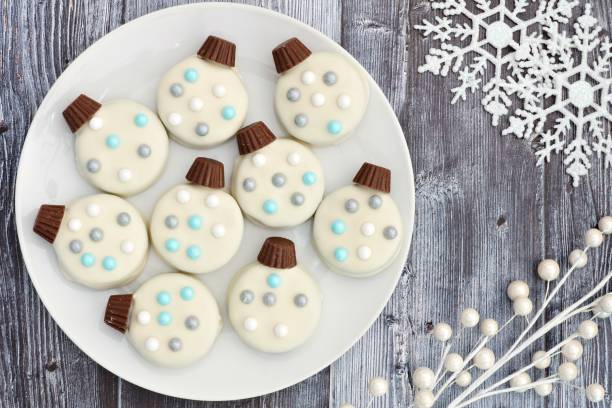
x: 128, y: 62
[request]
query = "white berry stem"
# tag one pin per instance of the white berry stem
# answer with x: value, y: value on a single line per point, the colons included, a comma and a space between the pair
x: 548, y: 380
x: 445, y: 351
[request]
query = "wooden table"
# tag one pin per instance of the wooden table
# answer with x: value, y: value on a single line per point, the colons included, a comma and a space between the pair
x: 485, y: 214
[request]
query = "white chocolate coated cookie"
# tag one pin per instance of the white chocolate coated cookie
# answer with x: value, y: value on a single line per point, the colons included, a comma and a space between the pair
x: 322, y: 99
x: 279, y: 185
x: 357, y: 230
x: 174, y: 320
x: 122, y: 149
x: 102, y: 242
x: 196, y: 229
x: 202, y: 103
x: 274, y: 310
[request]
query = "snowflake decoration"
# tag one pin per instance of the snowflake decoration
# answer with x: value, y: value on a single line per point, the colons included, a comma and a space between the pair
x: 574, y: 72
x: 494, y: 33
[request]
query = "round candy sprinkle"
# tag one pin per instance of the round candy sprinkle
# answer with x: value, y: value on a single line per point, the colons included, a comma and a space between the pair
x: 228, y: 112
x: 144, y: 151
x: 343, y: 101
x: 187, y: 293
x: 294, y: 159
x: 249, y: 184
x: 250, y: 324
x: 190, y: 75
x: 96, y: 123
x: 270, y: 207
x: 218, y: 231
x: 309, y: 178
x: 317, y: 100
x: 87, y: 259
x: 300, y: 300
x: 172, y: 245
x: 246, y: 297
x: 368, y: 229
x: 308, y: 77
x: 171, y: 221
x: 364, y: 252
x: 74, y: 224
x: 194, y: 252
x: 196, y: 104
x: 192, y: 322
x: 279, y: 179
x: 351, y: 205
x: 127, y: 247
x: 112, y: 141
x: 164, y: 318
x: 281, y: 330
x: 297, y: 199
x: 109, y: 263
x: 341, y: 254
x: 338, y: 227
x: 212, y: 201
x: 96, y: 234
x: 274, y: 280
x: 330, y: 78
x: 124, y: 175
x: 93, y: 210
x: 76, y: 246
x: 183, y: 196
x: 390, y: 232
x: 93, y: 165
x: 269, y: 299
x: 152, y: 344
x: 300, y: 120
x: 375, y: 202
x: 175, y: 119
x: 259, y: 160
x: 175, y: 344
x: 334, y: 127
x: 219, y: 90
x: 163, y: 298
x: 144, y: 317
x: 195, y: 222
x: 201, y: 129
x: 141, y: 120
x: 176, y: 90
x: 123, y: 219
x: 293, y: 94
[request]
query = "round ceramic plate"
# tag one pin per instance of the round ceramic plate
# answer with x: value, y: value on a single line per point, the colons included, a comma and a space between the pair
x: 128, y: 63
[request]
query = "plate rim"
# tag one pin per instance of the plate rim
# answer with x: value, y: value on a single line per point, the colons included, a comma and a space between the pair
x: 375, y: 88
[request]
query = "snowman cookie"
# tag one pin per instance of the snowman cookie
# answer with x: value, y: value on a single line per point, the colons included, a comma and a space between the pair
x: 172, y: 320
x: 277, y: 182
x: 100, y: 240
x: 197, y: 227
x: 201, y: 100
x: 358, y: 228
x: 320, y: 97
x: 273, y: 304
x: 121, y: 147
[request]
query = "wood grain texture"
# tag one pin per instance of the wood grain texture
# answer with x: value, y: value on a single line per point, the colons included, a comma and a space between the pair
x: 485, y: 214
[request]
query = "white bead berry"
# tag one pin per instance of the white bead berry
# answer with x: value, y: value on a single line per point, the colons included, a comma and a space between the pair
x: 424, y: 399
x: 127, y: 247
x: 517, y: 289
x: 484, y: 359
x: 543, y: 389
x: 442, y: 331
x: 572, y: 350
x: 605, y: 225
x: 595, y: 393
x: 567, y: 371
x: 541, y: 360
x: 489, y: 327
x: 378, y: 386
x: 423, y: 378
x: 520, y: 380
x: 593, y: 238
x: 453, y: 362
x: 470, y: 317
x: 522, y: 306
x: 588, y: 329
x: 578, y: 258
x: 605, y: 303
x: 548, y: 270
x: 463, y: 379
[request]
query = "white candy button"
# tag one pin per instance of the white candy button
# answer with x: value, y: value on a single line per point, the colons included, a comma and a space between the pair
x: 219, y: 90
x: 74, y: 224
x: 218, y: 231
x: 196, y: 104
x: 317, y: 99
x: 124, y: 175
x: 175, y: 119
x: 368, y: 229
x: 308, y: 78
x: 364, y: 252
x: 259, y: 160
x: 96, y: 123
x: 344, y: 101
x: 281, y: 330
x: 144, y: 317
x: 294, y: 159
x: 127, y: 247
x: 152, y: 344
x: 250, y: 324
x: 212, y: 201
x: 183, y: 196
x: 93, y: 210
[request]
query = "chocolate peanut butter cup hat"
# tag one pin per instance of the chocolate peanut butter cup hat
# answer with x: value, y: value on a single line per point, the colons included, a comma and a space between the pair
x: 375, y: 177
x: 253, y: 137
x: 288, y: 54
x: 218, y: 50
x: 277, y: 252
x: 206, y: 172
x: 80, y: 111
x: 48, y: 221
x: 117, y: 312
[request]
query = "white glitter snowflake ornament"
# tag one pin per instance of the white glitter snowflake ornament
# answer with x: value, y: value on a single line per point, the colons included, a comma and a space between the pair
x: 566, y: 79
x: 490, y: 39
